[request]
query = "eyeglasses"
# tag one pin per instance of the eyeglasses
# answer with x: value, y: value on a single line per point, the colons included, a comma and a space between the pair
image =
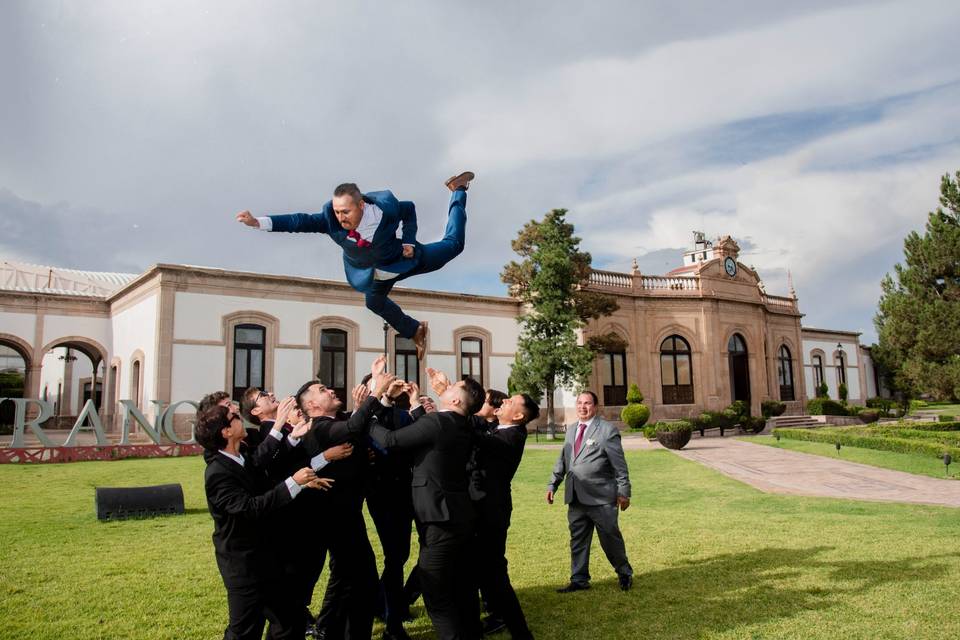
x: 263, y: 394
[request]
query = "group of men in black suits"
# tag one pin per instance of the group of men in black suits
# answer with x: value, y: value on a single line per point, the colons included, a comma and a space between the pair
x: 287, y: 495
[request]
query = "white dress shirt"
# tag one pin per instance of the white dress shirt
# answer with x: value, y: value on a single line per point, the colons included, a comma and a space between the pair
x: 292, y: 485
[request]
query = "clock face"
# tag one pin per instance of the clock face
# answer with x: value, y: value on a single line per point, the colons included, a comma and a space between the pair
x: 730, y: 266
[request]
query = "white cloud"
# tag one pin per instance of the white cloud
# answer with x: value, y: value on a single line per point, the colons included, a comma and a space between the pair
x: 604, y: 106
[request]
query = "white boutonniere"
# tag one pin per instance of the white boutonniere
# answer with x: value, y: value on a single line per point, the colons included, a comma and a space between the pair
x: 590, y: 443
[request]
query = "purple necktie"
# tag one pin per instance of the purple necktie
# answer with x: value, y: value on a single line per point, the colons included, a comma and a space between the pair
x: 576, y: 445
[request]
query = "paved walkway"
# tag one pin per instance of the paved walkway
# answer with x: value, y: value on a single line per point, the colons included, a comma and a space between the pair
x: 782, y: 471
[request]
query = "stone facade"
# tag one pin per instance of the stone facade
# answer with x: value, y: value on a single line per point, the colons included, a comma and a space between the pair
x: 168, y: 334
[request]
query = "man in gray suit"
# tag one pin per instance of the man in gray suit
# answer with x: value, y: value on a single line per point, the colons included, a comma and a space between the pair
x: 598, y: 483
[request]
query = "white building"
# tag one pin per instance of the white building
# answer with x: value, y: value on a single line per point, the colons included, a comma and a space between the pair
x: 176, y: 332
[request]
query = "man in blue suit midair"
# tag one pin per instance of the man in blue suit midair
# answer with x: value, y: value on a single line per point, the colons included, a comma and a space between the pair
x: 374, y: 259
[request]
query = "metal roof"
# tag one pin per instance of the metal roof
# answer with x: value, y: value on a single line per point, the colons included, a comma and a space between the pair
x: 35, y: 278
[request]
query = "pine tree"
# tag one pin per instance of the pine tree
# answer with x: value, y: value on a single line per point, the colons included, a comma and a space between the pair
x: 918, y: 320
x: 549, y: 281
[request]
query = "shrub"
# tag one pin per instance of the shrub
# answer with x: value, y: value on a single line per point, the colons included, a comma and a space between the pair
x: 633, y: 395
x: 822, y: 390
x: 868, y: 415
x: 717, y: 419
x: 650, y: 431
x: 635, y: 415
x: 882, y: 404
x: 772, y: 408
x: 753, y: 425
x: 946, y: 418
x: 825, y: 407
x: 740, y: 409
x: 678, y: 425
x: 674, y: 435
x: 843, y: 392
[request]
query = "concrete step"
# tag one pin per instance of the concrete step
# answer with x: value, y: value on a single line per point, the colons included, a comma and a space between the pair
x: 793, y: 422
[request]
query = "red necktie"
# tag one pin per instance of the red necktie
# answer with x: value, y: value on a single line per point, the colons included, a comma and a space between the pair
x: 361, y: 243
x: 576, y: 445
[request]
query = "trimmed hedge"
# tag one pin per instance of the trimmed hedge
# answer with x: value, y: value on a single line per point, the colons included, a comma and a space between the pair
x: 635, y: 415
x: 951, y: 425
x: 844, y: 436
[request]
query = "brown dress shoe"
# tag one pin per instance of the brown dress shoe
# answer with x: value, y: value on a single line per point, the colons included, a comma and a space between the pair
x: 462, y: 180
x: 420, y: 340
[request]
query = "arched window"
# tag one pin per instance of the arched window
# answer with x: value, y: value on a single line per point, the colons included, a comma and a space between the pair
x: 333, y: 361
x: 613, y: 373
x: 13, y: 380
x: 817, y: 371
x: 785, y: 373
x: 249, y: 345
x: 471, y: 359
x: 676, y: 371
x: 406, y: 364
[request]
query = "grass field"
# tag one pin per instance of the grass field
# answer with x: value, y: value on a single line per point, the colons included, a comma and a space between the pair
x: 713, y: 559
x: 909, y: 462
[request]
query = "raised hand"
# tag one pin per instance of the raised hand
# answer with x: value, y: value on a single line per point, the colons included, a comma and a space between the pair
x: 360, y: 393
x: 438, y: 380
x: 379, y: 365
x: 323, y: 484
x: 287, y: 405
x: 396, y: 388
x: 382, y: 383
x: 303, y: 476
x: 338, y: 452
x: 301, y: 429
x: 245, y: 217
x: 413, y: 392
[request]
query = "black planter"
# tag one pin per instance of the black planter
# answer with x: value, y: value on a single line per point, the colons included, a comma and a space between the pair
x: 674, y: 439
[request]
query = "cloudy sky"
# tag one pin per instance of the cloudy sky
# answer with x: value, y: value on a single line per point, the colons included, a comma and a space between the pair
x: 816, y: 135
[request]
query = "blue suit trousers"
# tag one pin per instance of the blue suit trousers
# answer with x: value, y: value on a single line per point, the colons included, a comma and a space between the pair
x: 432, y: 256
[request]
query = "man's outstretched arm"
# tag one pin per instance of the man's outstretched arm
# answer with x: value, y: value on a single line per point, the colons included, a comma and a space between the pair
x: 289, y: 223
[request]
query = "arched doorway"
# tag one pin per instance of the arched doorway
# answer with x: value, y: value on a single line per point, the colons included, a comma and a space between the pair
x: 72, y: 372
x: 739, y: 368
x: 14, y: 367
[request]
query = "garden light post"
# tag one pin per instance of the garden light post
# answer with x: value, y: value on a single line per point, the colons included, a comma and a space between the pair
x: 947, y: 459
x: 386, y: 331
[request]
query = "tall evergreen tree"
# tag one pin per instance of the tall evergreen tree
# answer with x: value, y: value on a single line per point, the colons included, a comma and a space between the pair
x: 918, y: 320
x: 549, y: 281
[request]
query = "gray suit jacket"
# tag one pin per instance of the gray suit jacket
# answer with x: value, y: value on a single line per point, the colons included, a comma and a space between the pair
x: 599, y: 473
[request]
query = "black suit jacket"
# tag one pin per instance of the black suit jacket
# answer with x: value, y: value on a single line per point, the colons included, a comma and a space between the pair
x: 239, y: 499
x: 440, y: 444
x: 500, y: 453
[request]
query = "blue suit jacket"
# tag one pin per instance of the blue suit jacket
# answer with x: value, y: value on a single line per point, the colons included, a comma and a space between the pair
x: 386, y: 250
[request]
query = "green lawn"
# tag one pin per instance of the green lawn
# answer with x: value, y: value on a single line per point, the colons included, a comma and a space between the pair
x: 713, y: 559
x: 946, y: 407
x: 909, y: 462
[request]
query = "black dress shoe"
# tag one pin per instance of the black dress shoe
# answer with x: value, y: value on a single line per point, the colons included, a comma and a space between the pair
x: 395, y: 634
x: 573, y: 586
x: 493, y: 624
x: 625, y: 582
